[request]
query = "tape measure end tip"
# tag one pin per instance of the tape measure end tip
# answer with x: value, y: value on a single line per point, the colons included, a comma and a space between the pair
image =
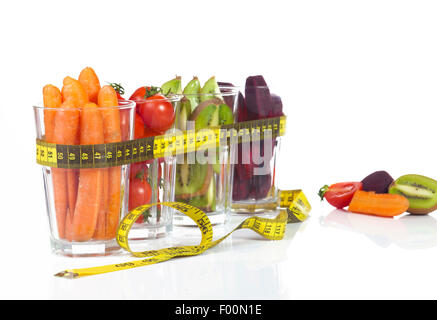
x: 67, y: 274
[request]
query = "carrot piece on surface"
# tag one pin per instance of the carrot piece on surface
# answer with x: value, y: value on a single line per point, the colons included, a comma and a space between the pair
x: 112, y: 132
x: 89, y: 195
x: 90, y: 82
x: 385, y: 205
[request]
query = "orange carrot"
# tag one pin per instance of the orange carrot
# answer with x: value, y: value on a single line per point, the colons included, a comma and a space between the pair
x: 65, y: 124
x: 385, y: 205
x: 53, y: 99
x: 100, y: 232
x: 89, y: 196
x: 112, y: 132
x: 90, y: 82
x: 75, y: 95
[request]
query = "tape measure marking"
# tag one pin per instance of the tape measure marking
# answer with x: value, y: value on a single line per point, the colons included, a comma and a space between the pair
x: 138, y: 150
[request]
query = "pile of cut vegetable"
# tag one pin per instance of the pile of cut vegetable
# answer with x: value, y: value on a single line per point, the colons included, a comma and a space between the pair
x: 379, y: 194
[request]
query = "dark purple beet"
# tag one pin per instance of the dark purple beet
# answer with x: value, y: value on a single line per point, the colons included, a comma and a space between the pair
x: 258, y: 99
x: 241, y: 186
x: 260, y: 186
x: 378, y: 181
x: 276, y: 106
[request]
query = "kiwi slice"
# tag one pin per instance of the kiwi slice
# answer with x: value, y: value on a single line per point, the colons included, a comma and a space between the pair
x: 225, y: 114
x: 206, y: 114
x: 183, y: 114
x: 192, y: 180
x: 207, y: 202
x: 210, y: 90
x: 420, y: 191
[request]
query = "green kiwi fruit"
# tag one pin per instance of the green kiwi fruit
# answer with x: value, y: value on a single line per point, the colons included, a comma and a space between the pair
x: 210, y: 90
x: 192, y: 180
x: 191, y: 90
x: 225, y: 115
x: 173, y: 86
x: 206, y: 202
x: 183, y: 114
x: 206, y: 114
x: 420, y: 191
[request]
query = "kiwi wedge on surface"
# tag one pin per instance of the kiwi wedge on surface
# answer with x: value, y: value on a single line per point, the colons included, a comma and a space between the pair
x: 192, y: 180
x: 420, y: 191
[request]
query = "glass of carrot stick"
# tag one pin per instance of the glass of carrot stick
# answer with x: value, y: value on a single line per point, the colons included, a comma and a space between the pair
x: 84, y: 205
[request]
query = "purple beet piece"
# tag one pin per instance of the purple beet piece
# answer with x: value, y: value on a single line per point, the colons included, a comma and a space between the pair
x: 241, y: 186
x: 378, y: 181
x: 258, y: 99
x: 276, y: 110
x: 260, y: 186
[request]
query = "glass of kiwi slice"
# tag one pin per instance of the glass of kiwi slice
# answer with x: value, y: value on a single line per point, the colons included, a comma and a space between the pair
x: 203, y: 178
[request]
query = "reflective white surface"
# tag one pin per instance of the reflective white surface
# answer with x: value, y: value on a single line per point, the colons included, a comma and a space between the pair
x: 335, y: 254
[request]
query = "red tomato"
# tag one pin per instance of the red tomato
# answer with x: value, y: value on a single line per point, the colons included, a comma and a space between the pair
x: 139, y: 127
x: 140, y: 193
x: 340, y: 194
x: 157, y: 113
x: 139, y: 170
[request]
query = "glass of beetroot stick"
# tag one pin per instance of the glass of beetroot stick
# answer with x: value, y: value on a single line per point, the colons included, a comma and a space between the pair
x: 84, y: 205
x: 255, y: 181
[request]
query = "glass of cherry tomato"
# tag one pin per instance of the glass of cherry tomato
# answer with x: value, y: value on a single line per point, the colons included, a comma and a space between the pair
x: 151, y: 181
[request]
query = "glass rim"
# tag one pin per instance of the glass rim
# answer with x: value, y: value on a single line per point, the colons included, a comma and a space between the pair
x: 230, y: 91
x: 123, y: 105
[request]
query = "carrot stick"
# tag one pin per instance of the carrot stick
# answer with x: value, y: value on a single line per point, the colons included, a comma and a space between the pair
x: 66, y: 122
x: 75, y: 95
x: 100, y: 232
x: 53, y: 99
x: 385, y: 205
x: 112, y: 132
x: 89, y: 195
x: 90, y: 82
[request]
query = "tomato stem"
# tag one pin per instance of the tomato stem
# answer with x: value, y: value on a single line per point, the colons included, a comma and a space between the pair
x: 151, y: 91
x: 322, y: 191
x: 117, y: 87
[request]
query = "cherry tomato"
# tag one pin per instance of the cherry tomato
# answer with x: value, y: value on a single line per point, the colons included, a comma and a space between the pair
x: 157, y: 113
x: 340, y: 194
x: 140, y: 193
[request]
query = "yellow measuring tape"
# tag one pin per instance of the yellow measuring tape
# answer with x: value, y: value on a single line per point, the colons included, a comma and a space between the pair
x: 295, y: 208
x: 138, y: 150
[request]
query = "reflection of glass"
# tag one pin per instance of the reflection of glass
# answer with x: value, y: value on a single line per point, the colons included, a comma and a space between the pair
x: 408, y: 232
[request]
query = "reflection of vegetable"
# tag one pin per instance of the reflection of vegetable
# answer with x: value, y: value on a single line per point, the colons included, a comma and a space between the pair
x: 112, y: 131
x: 385, y: 205
x: 340, y: 194
x: 90, y: 180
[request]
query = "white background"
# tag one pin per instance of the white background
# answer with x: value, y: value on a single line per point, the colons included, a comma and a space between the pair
x: 359, y: 84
